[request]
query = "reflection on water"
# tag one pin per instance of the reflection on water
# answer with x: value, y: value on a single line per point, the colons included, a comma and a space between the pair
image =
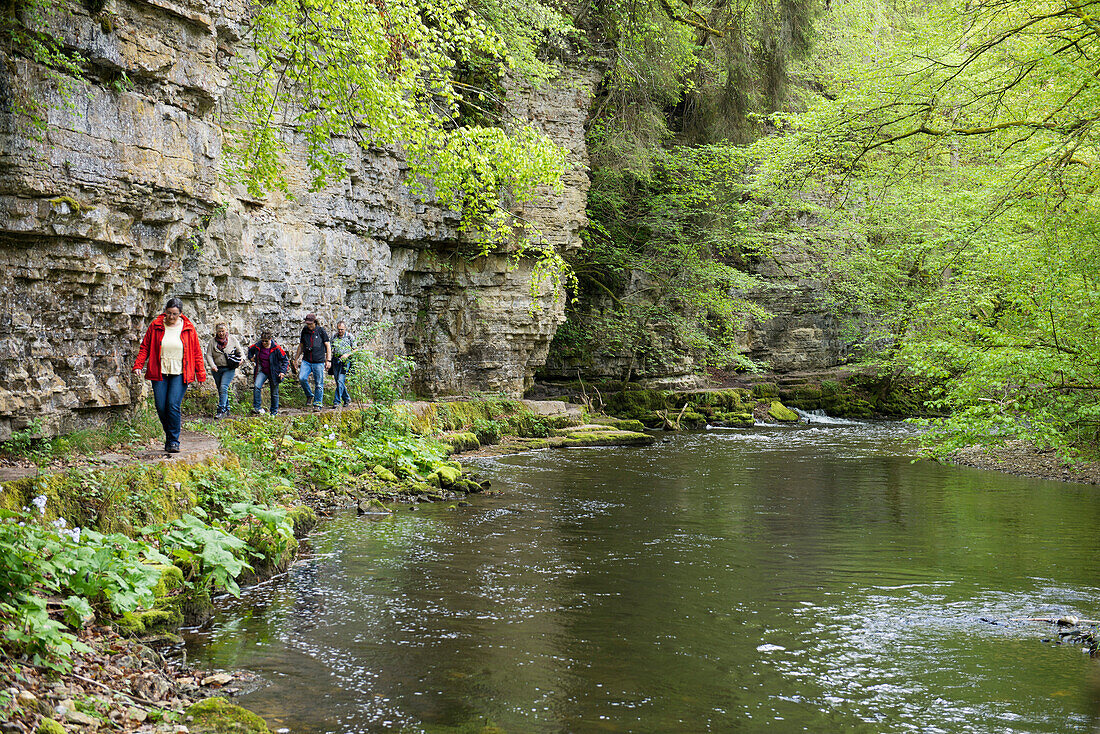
x: 786, y: 579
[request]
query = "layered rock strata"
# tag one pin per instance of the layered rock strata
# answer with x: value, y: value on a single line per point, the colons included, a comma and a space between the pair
x: 117, y: 204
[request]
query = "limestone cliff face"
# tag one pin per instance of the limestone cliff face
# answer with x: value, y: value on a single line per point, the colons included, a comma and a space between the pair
x: 117, y: 204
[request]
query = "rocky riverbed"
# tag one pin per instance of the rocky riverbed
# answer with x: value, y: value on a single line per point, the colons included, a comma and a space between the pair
x: 1024, y: 459
x: 121, y: 685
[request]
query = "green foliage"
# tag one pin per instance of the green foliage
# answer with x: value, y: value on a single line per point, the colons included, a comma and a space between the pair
x: 955, y: 152
x: 210, y: 556
x: 27, y: 30
x: 332, y: 451
x: 487, y: 431
x: 663, y: 271
x: 419, y: 73
x: 673, y: 223
x: 377, y: 379
x: 90, y: 572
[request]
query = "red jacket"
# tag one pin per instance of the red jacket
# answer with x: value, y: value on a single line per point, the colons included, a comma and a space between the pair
x: 193, y: 367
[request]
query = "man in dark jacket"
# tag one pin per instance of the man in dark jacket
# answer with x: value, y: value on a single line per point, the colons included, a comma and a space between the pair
x: 272, y: 364
x: 312, y: 359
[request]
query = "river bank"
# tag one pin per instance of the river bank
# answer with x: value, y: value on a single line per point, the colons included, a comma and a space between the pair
x: 1024, y: 459
x: 122, y: 685
x: 227, y: 511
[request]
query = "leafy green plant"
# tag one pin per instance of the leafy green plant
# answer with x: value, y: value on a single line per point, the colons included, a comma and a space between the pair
x: 92, y: 573
x: 219, y: 489
x: 210, y: 556
x: 487, y: 431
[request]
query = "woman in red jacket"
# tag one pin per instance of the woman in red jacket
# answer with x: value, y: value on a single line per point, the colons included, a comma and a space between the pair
x: 171, y: 346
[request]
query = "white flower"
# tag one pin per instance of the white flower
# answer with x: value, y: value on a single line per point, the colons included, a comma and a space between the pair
x: 59, y: 523
x: 332, y: 437
x: 339, y: 443
x: 40, y: 503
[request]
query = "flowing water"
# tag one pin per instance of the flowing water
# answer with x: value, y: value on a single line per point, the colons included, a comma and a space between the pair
x: 769, y: 579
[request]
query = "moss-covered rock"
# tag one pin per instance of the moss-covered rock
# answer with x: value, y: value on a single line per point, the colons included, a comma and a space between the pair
x: 638, y: 404
x: 167, y: 612
x: 218, y: 716
x: 49, y: 726
x: 627, y: 425
x: 779, y: 412
x: 692, y: 419
x: 385, y: 474
x: 462, y: 441
x: 765, y: 390
x: 445, y: 476
x: 303, y: 518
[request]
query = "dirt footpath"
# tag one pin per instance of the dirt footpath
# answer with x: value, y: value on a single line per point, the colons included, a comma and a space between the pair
x: 193, y: 447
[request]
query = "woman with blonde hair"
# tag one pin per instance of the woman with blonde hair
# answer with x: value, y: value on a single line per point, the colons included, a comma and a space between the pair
x: 223, y: 355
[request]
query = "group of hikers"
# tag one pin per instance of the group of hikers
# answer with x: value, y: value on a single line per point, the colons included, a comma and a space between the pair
x: 172, y: 358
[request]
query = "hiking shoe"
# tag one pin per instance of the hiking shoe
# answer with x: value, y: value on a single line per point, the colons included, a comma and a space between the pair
x: 315, y: 407
x: 172, y: 448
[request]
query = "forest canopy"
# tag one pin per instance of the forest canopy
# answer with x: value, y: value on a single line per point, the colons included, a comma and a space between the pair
x: 958, y: 148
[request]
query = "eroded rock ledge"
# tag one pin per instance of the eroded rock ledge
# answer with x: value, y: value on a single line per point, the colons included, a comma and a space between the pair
x: 119, y: 204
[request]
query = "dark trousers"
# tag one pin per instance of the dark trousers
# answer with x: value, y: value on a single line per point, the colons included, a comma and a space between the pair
x: 168, y: 397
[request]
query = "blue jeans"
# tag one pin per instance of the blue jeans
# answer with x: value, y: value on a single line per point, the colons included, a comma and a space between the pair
x: 258, y: 392
x: 222, y: 377
x: 168, y: 396
x: 341, y: 376
x: 317, y: 371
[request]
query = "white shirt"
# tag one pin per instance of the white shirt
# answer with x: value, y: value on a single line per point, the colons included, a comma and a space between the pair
x: 171, y: 349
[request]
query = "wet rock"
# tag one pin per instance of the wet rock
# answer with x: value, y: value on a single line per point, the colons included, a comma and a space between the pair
x: 218, y: 679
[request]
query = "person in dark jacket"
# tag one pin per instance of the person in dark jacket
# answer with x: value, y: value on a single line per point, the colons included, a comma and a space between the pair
x: 172, y: 358
x: 313, y: 358
x: 272, y: 365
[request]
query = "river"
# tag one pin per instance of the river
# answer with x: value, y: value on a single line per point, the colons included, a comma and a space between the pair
x: 774, y: 579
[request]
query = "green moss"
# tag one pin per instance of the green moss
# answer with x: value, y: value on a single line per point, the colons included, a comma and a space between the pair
x: 462, y: 441
x: 218, y: 716
x: 691, y: 419
x: 196, y: 605
x: 445, y: 476
x: 49, y: 726
x: 781, y: 413
x: 729, y: 401
x: 385, y: 474
x: 765, y: 390
x: 118, y: 500
x: 638, y: 404
x: 70, y: 201
x: 628, y: 424
x: 303, y: 518
x: 167, y: 611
